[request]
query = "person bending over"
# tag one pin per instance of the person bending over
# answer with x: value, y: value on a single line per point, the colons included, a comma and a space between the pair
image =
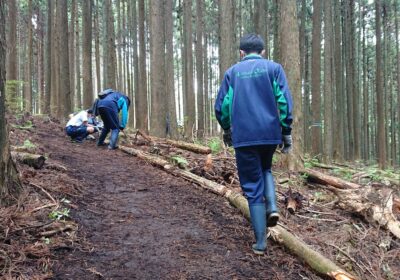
x: 109, y: 105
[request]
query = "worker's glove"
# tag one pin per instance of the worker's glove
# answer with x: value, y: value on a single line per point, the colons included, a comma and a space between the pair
x: 287, y: 144
x: 227, y: 136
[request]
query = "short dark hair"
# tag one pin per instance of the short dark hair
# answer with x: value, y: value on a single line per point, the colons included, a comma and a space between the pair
x: 252, y: 42
x: 89, y: 111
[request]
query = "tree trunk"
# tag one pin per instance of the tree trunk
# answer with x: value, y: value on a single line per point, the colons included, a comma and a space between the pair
x: 48, y: 70
x: 10, y: 186
x: 65, y: 107
x: 328, y: 89
x: 290, y: 59
x: 71, y: 46
x: 141, y: 96
x: 380, y: 123
x: 87, y: 53
x: 316, y: 124
x: 169, y: 69
x: 339, y: 116
x: 157, y: 51
x: 12, y: 49
x: 109, y: 47
x: 78, y: 61
x: 225, y: 37
x: 397, y: 158
x: 199, y: 67
x: 54, y: 60
x: 135, y: 59
x: 97, y: 47
x: 29, y: 62
x: 190, y: 104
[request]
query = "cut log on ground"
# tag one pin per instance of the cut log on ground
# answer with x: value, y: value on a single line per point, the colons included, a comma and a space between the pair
x: 199, y: 149
x: 322, y: 178
x: 316, y: 261
x: 33, y: 160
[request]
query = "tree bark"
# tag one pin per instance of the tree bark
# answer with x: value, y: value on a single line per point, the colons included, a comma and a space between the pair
x: 169, y: 69
x: 141, y: 96
x: 10, y: 185
x: 328, y: 89
x: 33, y: 160
x: 109, y: 47
x: 158, y: 120
x: 199, y: 67
x: 339, y: 116
x: 290, y: 59
x: 380, y: 123
x: 87, y: 53
x: 97, y: 47
x: 71, y: 46
x: 78, y: 61
x: 65, y: 107
x: 29, y: 62
x: 190, y: 102
x: 12, y: 49
x: 316, y: 79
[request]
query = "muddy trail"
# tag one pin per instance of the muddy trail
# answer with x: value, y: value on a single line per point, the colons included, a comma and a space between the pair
x: 138, y: 222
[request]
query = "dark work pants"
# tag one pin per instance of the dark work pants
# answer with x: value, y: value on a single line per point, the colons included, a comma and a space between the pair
x: 252, y: 163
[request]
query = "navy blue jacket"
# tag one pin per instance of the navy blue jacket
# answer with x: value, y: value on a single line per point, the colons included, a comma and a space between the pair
x: 254, y: 101
x: 117, y: 102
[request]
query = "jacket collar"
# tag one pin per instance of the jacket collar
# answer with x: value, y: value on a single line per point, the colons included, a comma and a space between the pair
x: 252, y: 56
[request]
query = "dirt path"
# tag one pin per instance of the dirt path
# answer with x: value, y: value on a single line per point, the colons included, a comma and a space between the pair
x: 142, y: 223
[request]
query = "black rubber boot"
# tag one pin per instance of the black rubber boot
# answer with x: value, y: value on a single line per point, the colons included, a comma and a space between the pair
x: 270, y: 200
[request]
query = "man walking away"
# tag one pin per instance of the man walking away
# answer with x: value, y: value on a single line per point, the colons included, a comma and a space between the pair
x: 254, y: 107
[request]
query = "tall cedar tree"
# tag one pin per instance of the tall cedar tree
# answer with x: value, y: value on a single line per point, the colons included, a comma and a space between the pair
x: 290, y: 60
x: 141, y: 96
x: 316, y: 79
x: 87, y: 53
x: 10, y: 185
x: 169, y: 68
x: 380, y: 123
x: 29, y: 62
x: 157, y: 48
x: 65, y: 105
x: 328, y: 88
x: 199, y: 66
x: 49, y: 51
x: 109, y: 47
x: 190, y: 104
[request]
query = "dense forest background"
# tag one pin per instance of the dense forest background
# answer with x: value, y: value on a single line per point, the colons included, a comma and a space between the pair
x: 341, y: 58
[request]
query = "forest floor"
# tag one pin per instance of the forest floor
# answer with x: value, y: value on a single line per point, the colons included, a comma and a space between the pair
x: 114, y: 216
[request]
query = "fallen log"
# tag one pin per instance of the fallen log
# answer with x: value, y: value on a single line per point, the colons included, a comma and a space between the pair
x: 325, y: 179
x: 178, y: 144
x: 33, y: 160
x: 314, y: 259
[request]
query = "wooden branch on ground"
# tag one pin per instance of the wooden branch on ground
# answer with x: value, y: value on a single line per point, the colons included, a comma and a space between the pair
x: 325, y: 179
x: 316, y: 261
x: 358, y: 173
x: 375, y: 205
x: 178, y: 144
x: 33, y: 160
